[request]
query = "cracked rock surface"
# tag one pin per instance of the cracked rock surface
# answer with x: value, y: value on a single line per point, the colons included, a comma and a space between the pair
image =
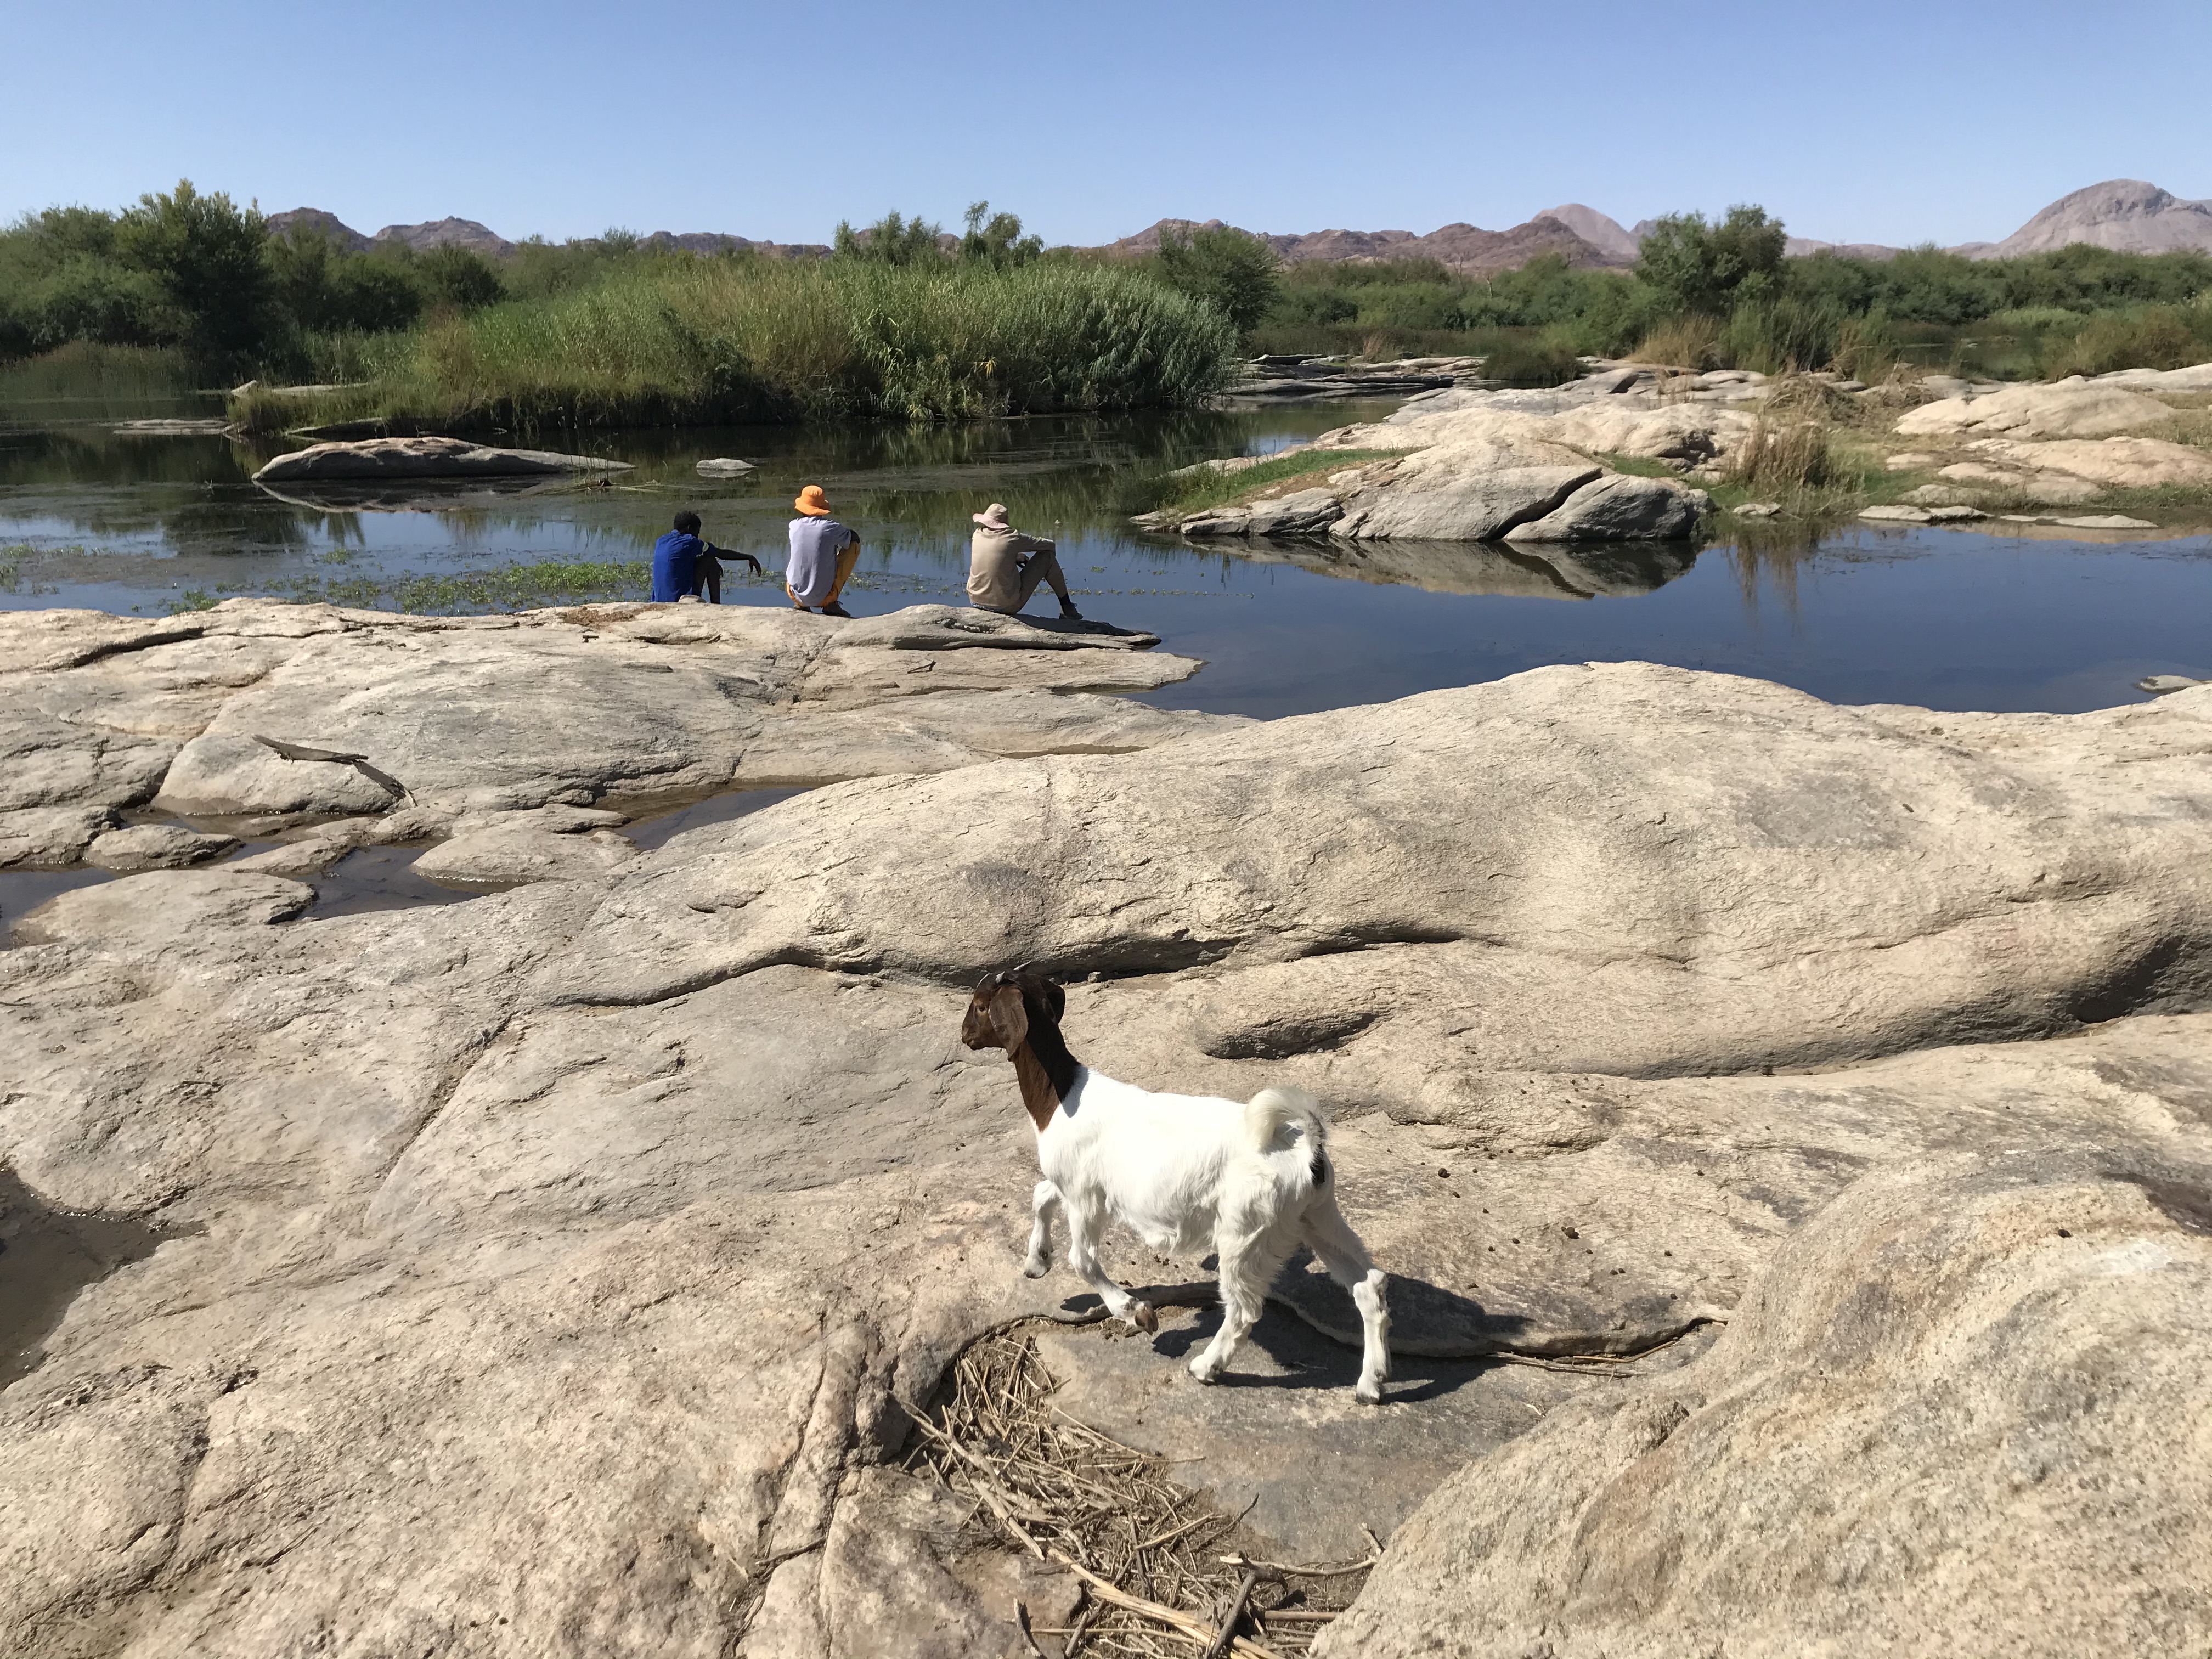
x: 281, y: 714
x: 552, y: 1272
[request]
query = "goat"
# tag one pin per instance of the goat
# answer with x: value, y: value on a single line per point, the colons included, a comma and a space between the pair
x: 1183, y: 1171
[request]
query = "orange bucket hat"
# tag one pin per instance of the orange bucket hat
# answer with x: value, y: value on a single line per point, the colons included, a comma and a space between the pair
x: 813, y: 502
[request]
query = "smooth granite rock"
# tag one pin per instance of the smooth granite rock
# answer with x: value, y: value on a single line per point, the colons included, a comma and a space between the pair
x: 156, y: 846
x: 2066, y: 409
x: 1962, y: 1412
x: 280, y: 713
x: 545, y: 1273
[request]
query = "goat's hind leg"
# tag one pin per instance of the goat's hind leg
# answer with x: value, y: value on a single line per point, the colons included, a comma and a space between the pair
x: 1044, y: 1203
x: 1348, y: 1263
x: 1246, y: 1266
x: 1083, y: 1232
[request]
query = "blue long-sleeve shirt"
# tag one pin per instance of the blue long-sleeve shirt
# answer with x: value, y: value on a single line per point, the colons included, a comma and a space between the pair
x: 674, y: 559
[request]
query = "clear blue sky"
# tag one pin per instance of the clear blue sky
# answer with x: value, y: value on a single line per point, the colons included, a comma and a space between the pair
x: 1868, y: 122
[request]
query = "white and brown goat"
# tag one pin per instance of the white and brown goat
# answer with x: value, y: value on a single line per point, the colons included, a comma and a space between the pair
x: 1185, y: 1172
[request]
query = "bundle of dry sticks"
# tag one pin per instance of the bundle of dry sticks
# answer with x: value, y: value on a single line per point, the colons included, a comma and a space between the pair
x: 1152, y: 1558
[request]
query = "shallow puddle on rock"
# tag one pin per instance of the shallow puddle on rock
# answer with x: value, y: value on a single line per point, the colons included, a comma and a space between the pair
x: 380, y: 878
x: 22, y: 891
x: 655, y: 830
x: 48, y: 1256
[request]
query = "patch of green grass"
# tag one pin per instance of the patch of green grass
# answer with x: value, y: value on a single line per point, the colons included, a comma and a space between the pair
x: 195, y: 599
x: 511, y: 587
x: 1194, y: 489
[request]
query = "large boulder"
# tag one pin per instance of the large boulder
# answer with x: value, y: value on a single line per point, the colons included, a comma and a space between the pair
x: 1962, y: 1412
x: 1471, y: 492
x: 1618, y: 507
x: 371, y: 460
x: 2067, y: 409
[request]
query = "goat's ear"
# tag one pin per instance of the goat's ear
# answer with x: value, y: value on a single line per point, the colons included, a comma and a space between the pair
x: 1010, y: 1021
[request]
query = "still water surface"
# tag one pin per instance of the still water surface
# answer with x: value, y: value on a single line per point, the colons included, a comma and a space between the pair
x: 1950, y: 619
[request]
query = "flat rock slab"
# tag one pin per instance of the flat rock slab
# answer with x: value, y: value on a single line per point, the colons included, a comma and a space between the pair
x: 374, y: 458
x: 270, y: 713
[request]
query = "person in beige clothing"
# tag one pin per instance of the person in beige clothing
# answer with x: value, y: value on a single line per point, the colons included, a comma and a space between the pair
x: 1004, y: 566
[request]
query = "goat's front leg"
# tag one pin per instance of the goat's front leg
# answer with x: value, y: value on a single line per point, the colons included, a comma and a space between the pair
x: 1044, y: 1201
x: 1247, y: 1264
x: 1083, y: 1230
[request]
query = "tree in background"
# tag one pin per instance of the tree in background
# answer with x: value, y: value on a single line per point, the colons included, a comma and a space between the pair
x: 1707, y: 269
x: 462, y: 277
x: 891, y: 241
x: 1231, y: 269
x: 208, y: 255
x: 995, y: 239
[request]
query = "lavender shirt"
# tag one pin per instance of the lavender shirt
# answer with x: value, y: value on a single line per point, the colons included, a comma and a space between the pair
x: 813, y: 566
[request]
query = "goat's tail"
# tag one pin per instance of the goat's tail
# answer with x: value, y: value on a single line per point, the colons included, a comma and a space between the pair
x: 1274, y: 1110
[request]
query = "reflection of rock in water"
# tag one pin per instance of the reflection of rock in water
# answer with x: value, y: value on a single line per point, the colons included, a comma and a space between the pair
x: 46, y: 1256
x: 1488, y: 568
x: 414, y: 494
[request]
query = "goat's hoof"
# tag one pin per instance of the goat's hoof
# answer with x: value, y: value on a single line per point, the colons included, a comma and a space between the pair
x: 1035, y: 1269
x: 1204, y: 1372
x: 1368, y: 1393
x: 1142, y: 1316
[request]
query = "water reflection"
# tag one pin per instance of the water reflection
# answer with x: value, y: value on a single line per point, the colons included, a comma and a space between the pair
x: 1524, y: 571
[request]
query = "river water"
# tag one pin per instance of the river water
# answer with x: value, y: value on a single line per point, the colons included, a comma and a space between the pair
x: 1953, y: 619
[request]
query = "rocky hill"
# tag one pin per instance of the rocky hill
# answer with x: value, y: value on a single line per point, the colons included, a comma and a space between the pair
x: 1462, y: 245
x: 469, y: 234
x: 2127, y: 214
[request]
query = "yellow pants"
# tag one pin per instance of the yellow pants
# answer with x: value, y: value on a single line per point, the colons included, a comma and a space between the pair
x: 845, y: 560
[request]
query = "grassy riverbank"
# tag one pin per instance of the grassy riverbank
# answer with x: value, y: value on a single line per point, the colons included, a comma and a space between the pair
x: 689, y: 341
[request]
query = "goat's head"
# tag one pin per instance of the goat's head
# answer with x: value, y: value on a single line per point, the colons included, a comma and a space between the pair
x: 1005, y: 1006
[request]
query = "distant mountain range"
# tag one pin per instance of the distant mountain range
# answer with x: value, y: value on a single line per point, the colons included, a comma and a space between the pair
x: 2124, y: 214
x: 468, y: 234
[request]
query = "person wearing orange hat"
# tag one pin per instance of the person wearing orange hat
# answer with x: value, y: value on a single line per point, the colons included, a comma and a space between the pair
x: 1005, y: 567
x: 823, y: 555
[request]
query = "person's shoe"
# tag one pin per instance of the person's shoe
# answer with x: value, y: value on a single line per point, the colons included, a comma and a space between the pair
x: 1068, y: 612
x: 834, y: 609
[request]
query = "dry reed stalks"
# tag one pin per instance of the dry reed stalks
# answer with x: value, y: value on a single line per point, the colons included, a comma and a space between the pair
x: 1148, y: 1551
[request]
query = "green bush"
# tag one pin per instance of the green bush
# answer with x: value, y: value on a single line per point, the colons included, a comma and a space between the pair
x: 1531, y: 360
x: 2152, y: 336
x: 1783, y: 334
x: 1710, y: 269
x: 210, y: 256
x: 1236, y: 274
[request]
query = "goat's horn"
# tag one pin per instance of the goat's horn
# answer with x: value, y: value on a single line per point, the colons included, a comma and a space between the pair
x: 1025, y: 968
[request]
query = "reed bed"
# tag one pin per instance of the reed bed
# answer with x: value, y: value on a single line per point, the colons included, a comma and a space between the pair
x: 1156, y: 1562
x: 688, y: 341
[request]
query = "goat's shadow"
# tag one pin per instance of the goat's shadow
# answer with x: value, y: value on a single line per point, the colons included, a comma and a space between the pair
x: 1310, y: 1330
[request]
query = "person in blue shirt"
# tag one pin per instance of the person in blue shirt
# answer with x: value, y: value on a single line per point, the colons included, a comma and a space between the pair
x: 682, y: 564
